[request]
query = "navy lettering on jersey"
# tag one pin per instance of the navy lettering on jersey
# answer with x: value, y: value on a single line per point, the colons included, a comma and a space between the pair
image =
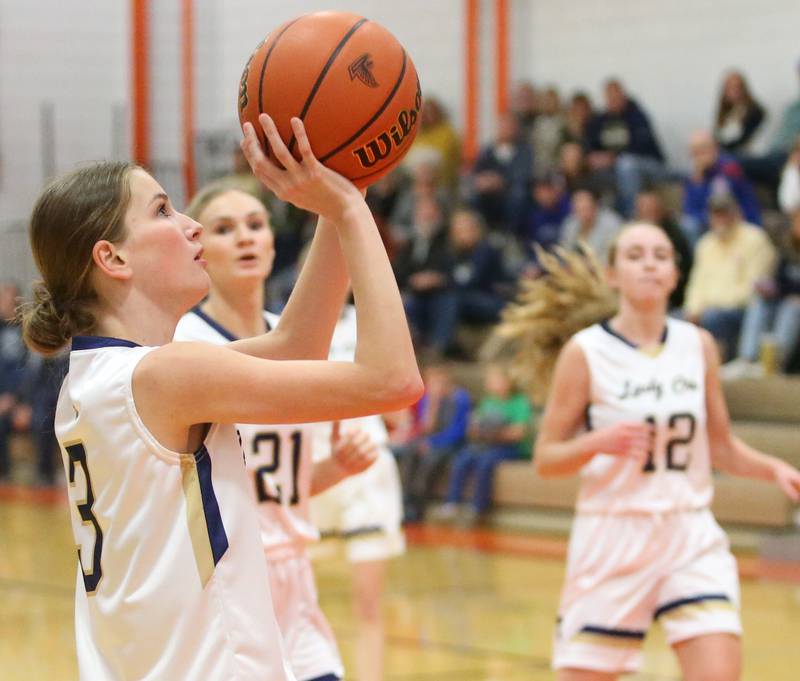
x: 77, y: 457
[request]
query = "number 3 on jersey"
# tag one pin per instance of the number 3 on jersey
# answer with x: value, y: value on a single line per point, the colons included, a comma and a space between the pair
x: 682, y: 427
x: 77, y: 457
x: 268, y: 486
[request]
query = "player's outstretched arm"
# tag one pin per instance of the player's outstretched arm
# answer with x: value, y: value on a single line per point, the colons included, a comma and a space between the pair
x: 728, y: 452
x: 182, y: 384
x: 558, y: 452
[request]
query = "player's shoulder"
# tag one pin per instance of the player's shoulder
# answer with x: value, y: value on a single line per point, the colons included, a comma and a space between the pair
x: 191, y: 327
x: 682, y: 332
x: 195, y: 325
x: 591, y: 335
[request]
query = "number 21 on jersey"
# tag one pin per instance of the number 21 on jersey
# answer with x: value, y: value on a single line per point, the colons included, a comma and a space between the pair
x: 276, y: 461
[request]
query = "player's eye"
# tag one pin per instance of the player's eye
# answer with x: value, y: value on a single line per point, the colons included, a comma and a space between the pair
x: 256, y: 225
x: 163, y: 209
x: 221, y: 229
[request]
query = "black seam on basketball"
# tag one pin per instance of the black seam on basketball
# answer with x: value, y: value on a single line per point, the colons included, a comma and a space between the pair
x: 382, y: 108
x: 264, y: 65
x: 324, y: 72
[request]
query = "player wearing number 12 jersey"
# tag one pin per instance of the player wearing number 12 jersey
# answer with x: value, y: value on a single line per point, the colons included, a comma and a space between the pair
x: 239, y: 248
x: 635, y: 408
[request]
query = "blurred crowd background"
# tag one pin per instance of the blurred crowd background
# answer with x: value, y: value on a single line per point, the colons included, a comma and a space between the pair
x: 464, y: 226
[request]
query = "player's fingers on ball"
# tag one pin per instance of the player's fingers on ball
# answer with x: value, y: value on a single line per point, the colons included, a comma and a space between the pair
x: 276, y: 143
x: 303, y: 144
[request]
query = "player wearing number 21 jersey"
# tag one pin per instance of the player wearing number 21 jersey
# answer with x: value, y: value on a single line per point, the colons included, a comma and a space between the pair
x: 279, y: 467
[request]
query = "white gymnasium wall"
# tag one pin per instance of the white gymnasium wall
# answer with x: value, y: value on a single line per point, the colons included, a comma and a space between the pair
x: 74, y: 57
x: 671, y: 55
x: 63, y: 100
x: 431, y: 31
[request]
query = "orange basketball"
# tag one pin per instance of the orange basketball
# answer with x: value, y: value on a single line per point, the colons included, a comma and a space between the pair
x: 349, y: 80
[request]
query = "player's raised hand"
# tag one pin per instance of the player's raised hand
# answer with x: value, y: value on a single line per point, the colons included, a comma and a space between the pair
x: 631, y: 439
x: 353, y: 451
x: 787, y: 477
x: 306, y: 183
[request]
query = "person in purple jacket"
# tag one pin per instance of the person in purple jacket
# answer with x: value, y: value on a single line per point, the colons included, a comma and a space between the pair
x: 711, y: 170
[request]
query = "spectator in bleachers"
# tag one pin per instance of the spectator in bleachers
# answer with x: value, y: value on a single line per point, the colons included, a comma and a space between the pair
x: 573, y: 166
x: 591, y: 223
x: 39, y: 395
x: 730, y: 258
x: 650, y: 208
x: 382, y: 197
x: 622, y: 144
x: 578, y: 114
x: 547, y: 133
x: 775, y: 308
x: 789, y: 188
x: 437, y: 134
x: 482, y: 284
x: 424, y: 183
x: 766, y: 169
x: 525, y: 106
x: 14, y: 365
x: 714, y: 171
x: 423, y: 267
x: 544, y: 217
x: 501, y: 175
x: 443, y: 415
x: 499, y: 430
x: 739, y: 115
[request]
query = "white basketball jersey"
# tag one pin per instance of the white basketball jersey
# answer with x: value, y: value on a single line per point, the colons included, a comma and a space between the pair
x: 171, y: 583
x: 278, y: 458
x: 667, y: 391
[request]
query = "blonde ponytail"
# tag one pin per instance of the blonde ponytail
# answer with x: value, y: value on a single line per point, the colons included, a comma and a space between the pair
x: 571, y: 294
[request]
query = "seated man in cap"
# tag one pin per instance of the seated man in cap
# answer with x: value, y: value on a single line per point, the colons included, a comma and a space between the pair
x: 730, y: 258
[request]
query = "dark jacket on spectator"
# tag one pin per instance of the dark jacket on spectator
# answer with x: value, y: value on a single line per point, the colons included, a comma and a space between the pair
x: 14, y: 360
x: 517, y: 171
x: 420, y: 255
x: 725, y: 171
x: 542, y: 225
x: 627, y: 133
x: 787, y: 274
x: 481, y: 268
x: 752, y: 119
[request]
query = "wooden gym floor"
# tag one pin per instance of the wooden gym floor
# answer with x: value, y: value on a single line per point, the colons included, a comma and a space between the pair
x: 473, y: 606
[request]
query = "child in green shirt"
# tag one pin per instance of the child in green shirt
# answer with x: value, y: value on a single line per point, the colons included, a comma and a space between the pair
x: 500, y: 430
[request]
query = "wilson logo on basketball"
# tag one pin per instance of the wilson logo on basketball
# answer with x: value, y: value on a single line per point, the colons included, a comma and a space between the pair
x: 243, y: 99
x: 361, y: 68
x: 378, y: 148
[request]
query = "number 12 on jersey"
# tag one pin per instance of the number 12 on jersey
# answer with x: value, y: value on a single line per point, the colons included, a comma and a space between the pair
x: 677, y: 451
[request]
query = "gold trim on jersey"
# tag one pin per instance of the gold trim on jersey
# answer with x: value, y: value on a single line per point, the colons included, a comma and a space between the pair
x: 196, y: 519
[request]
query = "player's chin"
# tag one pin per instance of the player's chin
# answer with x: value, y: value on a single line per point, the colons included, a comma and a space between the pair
x: 251, y: 274
x: 201, y: 285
